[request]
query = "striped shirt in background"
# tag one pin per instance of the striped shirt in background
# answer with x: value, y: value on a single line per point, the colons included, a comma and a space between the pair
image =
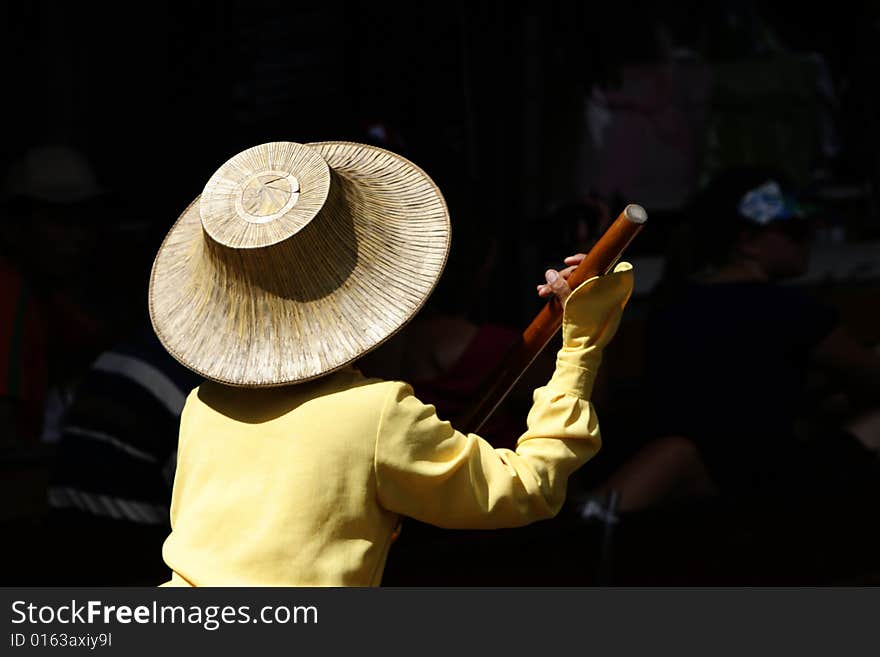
x: 117, y: 452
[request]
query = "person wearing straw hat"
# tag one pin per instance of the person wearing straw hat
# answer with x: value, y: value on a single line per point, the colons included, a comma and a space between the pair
x: 293, y: 467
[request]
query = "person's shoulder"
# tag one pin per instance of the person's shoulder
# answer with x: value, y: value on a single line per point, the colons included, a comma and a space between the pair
x: 385, y: 394
x: 383, y: 388
x: 344, y: 394
x: 358, y: 394
x: 807, y: 317
x: 789, y: 292
x: 792, y: 298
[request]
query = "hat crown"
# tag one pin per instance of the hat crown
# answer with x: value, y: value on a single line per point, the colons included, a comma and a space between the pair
x: 264, y: 195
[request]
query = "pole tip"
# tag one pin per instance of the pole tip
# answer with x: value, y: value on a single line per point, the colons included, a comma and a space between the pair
x: 635, y: 213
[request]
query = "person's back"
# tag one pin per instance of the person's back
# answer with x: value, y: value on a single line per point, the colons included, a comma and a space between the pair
x: 275, y: 486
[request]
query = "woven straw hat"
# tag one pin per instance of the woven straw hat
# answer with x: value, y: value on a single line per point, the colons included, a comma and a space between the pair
x: 297, y: 260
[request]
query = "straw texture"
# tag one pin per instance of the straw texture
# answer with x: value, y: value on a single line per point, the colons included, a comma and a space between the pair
x: 297, y: 260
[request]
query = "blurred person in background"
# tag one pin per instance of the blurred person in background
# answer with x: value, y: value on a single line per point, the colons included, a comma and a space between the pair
x: 729, y: 350
x: 110, y: 489
x: 48, y: 325
x: 98, y: 424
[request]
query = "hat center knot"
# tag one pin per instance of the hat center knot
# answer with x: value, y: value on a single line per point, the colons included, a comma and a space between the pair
x: 264, y: 195
x: 268, y: 194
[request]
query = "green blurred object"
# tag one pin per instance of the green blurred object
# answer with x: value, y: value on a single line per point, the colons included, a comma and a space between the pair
x: 764, y: 112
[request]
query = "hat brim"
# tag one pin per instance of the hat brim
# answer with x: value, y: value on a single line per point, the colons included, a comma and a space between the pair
x: 347, y: 288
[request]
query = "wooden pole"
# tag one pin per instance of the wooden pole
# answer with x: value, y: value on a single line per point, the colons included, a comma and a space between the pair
x: 600, y: 260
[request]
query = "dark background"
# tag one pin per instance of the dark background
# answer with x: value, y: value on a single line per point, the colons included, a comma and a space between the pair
x: 490, y: 98
x: 485, y: 96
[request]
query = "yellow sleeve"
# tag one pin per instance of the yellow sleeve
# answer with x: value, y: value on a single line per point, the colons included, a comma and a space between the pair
x: 427, y: 470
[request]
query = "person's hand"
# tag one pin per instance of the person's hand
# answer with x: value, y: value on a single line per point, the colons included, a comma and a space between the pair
x: 557, y: 281
x: 593, y: 311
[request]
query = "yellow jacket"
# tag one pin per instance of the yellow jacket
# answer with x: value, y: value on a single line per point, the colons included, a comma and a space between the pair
x: 305, y: 484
